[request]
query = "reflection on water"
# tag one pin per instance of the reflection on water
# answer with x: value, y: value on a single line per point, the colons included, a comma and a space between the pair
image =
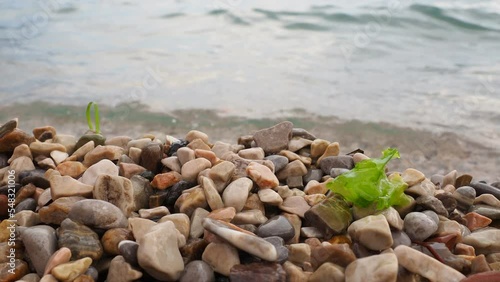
x: 423, y: 64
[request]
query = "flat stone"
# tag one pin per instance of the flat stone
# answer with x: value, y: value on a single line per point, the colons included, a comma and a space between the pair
x: 40, y: 242
x: 296, y: 205
x: 207, y: 154
x: 332, y: 150
x: 221, y: 148
x: 80, y: 239
x: 196, y: 229
x: 128, y: 170
x: 102, y: 167
x: 221, y: 257
x: 199, y: 271
x: 256, y: 153
x: 58, y: 156
x: 336, y: 162
x: 71, y: 270
x: 274, y: 139
x: 276, y: 226
x: 113, y: 237
x: 487, y: 199
x: 66, y: 186
x: 172, y: 163
x: 222, y: 174
x: 214, y: 200
x: 236, y: 193
x: 484, y: 242
x: 318, y: 147
x: 298, y: 143
x: 332, y: 216
x: 120, y: 141
x: 253, y: 217
x: 139, y: 143
x: 100, y: 152
x: 257, y: 271
x: 485, y: 276
x: 63, y: 255
x: 11, y: 137
x: 262, y: 175
x: 291, y: 156
x: 372, y: 232
x: 423, y: 188
x: 476, y: 221
x: 425, y: 265
x: 340, y: 254
x: 431, y: 203
x: 153, y: 213
x: 164, y: 180
x: 70, y: 168
x: 97, y: 214
x: 383, y: 268
x: 419, y: 226
x: 21, y: 164
x: 270, y: 197
x: 328, y: 272
x: 80, y: 152
x: 313, y: 174
x: 485, y: 210
x: 314, y: 187
x: 279, y: 161
x: 158, y: 253
x: 449, y: 203
x: 68, y: 141
x: 198, y: 144
x: 27, y: 218
x: 181, y: 222
x: 248, y: 243
x: 116, y: 190
x: 44, y: 148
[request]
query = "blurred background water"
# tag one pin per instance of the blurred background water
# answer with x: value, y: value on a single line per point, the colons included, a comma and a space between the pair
x: 423, y: 64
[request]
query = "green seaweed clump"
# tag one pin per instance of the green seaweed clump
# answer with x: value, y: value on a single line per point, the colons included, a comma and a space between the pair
x: 367, y: 184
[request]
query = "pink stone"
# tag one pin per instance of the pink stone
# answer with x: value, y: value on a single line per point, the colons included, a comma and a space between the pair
x: 63, y: 255
x: 476, y: 221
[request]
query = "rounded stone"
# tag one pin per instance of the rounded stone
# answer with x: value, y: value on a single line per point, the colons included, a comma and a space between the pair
x: 128, y: 249
x: 98, y: 214
x: 81, y: 240
x: 276, y: 226
x: 111, y: 239
x: 40, y: 242
x: 418, y: 226
x: 199, y: 271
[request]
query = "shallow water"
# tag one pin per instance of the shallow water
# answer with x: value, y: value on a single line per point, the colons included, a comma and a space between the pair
x: 433, y: 65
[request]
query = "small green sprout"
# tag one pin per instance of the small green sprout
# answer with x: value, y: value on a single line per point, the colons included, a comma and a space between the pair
x: 96, y: 118
x: 366, y: 184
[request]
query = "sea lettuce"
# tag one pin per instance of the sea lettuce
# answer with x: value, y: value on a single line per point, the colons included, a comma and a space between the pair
x: 367, y: 184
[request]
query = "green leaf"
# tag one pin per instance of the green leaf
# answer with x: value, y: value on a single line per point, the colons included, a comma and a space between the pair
x: 96, y: 118
x: 366, y: 184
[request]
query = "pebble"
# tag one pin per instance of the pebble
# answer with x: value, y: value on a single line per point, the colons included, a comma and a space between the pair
x: 58, y: 156
x: 221, y: 174
x: 236, y: 193
x: 248, y: 243
x: 449, y: 203
x: 330, y: 223
x: 296, y: 205
x: 97, y: 214
x: 63, y: 255
x: 328, y: 272
x: 67, y: 186
x: 412, y: 177
x: 336, y: 162
x: 21, y: 164
x: 291, y: 156
x: 221, y: 257
x: 27, y: 218
x: 425, y: 265
x: 262, y: 175
x: 80, y: 239
x: 465, y: 197
x: 44, y: 148
x: 71, y: 270
x: 419, y: 226
x: 298, y: 143
x: 372, y: 232
x: 332, y: 150
x: 318, y: 147
x: 153, y: 213
x: 158, y: 253
x: 58, y: 210
x: 181, y: 222
x: 128, y: 170
x: 26, y: 205
x: 393, y: 218
x: 120, y: 271
x: 22, y: 150
x: 431, y: 203
x: 484, y: 241
x: 116, y: 190
x: 270, y: 197
x: 295, y: 168
x: 257, y: 271
x: 185, y: 155
x: 476, y: 221
x: 195, y: 199
x: 196, y: 228
x: 151, y: 156
x: 340, y: 254
x: 102, y: 167
x: 256, y: 153
x: 113, y: 237
x: 128, y: 249
x: 198, y: 271
x: 489, y: 276
x: 275, y: 138
x: 120, y: 141
x: 19, y: 270
x: 424, y: 188
x: 191, y: 169
x: 279, y: 161
x: 488, y: 211
x: 100, y: 152
x: 487, y: 199
x: 70, y: 168
x: 40, y: 242
x: 172, y: 163
x: 276, y: 226
x: 383, y: 268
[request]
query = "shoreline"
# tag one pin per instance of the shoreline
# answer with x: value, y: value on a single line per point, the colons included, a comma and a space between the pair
x: 427, y: 151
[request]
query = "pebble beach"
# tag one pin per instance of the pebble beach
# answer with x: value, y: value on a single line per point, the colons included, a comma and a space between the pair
x: 252, y: 207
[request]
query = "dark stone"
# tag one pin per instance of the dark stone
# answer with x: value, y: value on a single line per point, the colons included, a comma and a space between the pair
x: 328, y: 163
x: 449, y: 240
x: 449, y: 203
x: 331, y: 216
x: 465, y: 197
x: 128, y: 249
x: 496, y: 184
x: 4, y: 190
x: 92, y: 272
x: 431, y: 203
x: 334, y: 172
x: 485, y: 276
x: 39, y: 173
x: 3, y: 160
x: 246, y: 141
x: 295, y: 182
x: 400, y: 238
x: 151, y: 156
x: 442, y: 253
x: 264, y: 271
x: 279, y: 244
x: 149, y: 175
x: 97, y: 138
x: 158, y: 199
x: 26, y: 205
x: 274, y: 139
x: 279, y: 161
x: 313, y: 174
x: 174, y: 192
x: 458, y: 218
x: 276, y: 226
x: 36, y: 180
x: 176, y: 146
x: 81, y: 240
x: 193, y: 250
x: 300, y: 132
x: 45, y: 136
x: 361, y: 251
x: 9, y: 140
x: 198, y: 271
x: 482, y: 188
